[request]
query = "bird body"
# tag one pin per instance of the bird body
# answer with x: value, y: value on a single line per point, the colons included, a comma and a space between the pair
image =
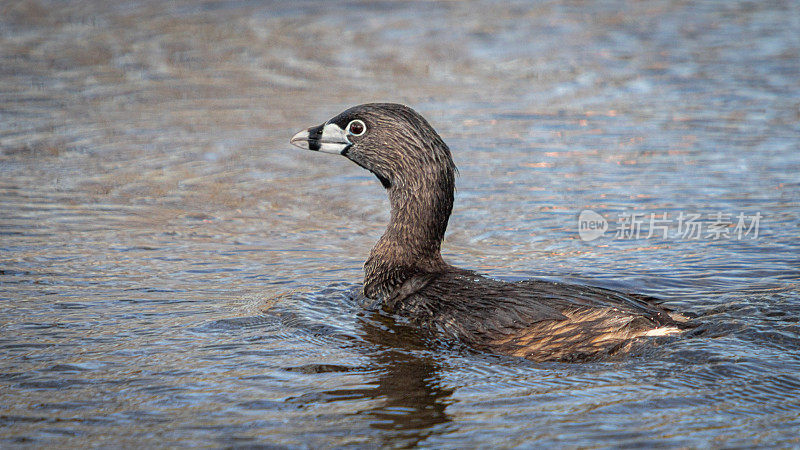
x: 535, y: 319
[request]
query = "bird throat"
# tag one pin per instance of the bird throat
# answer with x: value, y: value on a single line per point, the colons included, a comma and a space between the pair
x: 411, y: 244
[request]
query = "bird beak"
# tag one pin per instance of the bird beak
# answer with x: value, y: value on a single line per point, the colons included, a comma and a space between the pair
x: 326, y: 138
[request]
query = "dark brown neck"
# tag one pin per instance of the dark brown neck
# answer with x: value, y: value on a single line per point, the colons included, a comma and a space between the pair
x: 411, y: 244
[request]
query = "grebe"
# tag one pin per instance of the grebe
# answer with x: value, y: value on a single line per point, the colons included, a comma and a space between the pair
x: 534, y: 319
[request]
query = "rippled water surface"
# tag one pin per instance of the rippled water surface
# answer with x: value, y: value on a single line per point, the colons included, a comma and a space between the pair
x: 172, y: 272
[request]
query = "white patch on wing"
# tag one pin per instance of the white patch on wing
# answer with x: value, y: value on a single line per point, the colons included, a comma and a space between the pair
x: 663, y: 331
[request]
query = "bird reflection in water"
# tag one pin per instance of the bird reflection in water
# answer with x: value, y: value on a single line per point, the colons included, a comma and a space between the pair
x: 414, y: 400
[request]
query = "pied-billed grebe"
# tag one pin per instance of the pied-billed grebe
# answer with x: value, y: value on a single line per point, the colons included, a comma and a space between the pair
x: 535, y: 319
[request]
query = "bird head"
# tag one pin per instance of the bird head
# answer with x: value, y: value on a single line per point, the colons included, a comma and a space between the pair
x: 390, y: 140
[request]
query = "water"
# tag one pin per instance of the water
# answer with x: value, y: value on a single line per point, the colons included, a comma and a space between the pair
x: 173, y: 272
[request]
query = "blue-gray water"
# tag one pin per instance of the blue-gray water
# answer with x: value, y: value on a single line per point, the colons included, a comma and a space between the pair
x: 173, y: 272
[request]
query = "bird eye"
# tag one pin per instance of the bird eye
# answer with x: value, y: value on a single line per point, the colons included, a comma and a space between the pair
x: 356, y: 127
